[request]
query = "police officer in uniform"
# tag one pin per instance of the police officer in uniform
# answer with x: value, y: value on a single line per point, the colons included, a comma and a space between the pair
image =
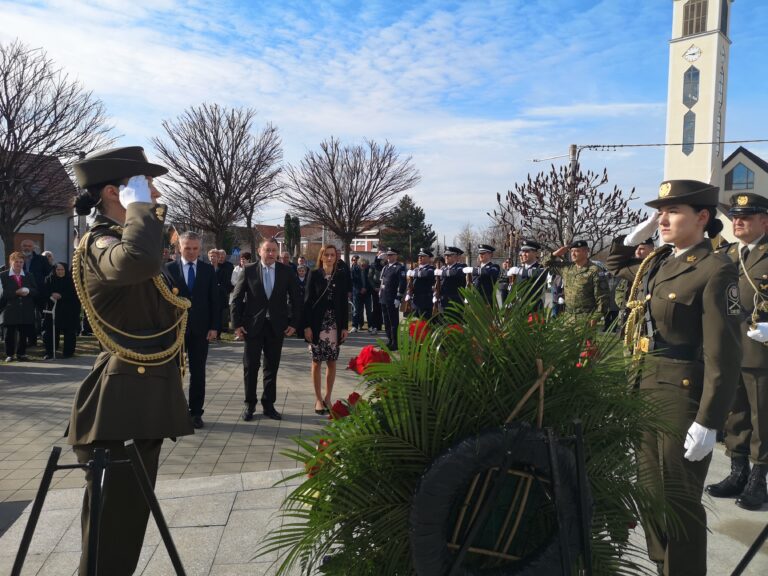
x: 134, y: 390
x: 423, y: 284
x: 585, y: 285
x: 530, y: 276
x: 390, y: 293
x: 452, y: 278
x: 690, y: 319
x: 485, y: 276
x: 746, y: 429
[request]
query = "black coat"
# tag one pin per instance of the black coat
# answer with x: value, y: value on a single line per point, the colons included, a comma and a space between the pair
x: 224, y: 280
x: 68, y: 306
x: 205, y: 313
x: 17, y: 310
x: 250, y: 304
x: 320, y: 295
x: 39, y: 267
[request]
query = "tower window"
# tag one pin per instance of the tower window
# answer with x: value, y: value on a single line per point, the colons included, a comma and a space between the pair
x: 694, y: 17
x: 691, y: 87
x: 740, y: 178
x: 724, y: 17
x: 689, y: 132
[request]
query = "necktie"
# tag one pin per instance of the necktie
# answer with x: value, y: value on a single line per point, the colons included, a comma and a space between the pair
x: 18, y: 280
x: 191, y: 276
x: 268, y: 281
x: 745, y: 253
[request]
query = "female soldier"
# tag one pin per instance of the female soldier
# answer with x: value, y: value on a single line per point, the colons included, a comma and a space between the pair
x: 689, y: 318
x: 134, y: 390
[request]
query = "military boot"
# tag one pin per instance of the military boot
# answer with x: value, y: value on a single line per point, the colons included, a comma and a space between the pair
x: 755, y: 493
x: 734, y: 483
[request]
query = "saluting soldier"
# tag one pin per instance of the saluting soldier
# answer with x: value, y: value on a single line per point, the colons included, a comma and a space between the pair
x: 690, y: 319
x: 452, y: 277
x: 746, y: 429
x: 530, y: 276
x: 423, y: 284
x: 485, y: 276
x: 134, y: 391
x: 585, y: 284
x: 391, y: 292
x: 624, y: 272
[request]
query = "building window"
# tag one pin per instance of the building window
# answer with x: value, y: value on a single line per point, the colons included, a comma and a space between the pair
x: 740, y: 178
x: 724, y: 17
x: 689, y: 132
x: 691, y: 87
x: 694, y: 17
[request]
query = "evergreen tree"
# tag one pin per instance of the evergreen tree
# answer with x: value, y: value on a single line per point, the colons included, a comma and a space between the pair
x: 406, y: 231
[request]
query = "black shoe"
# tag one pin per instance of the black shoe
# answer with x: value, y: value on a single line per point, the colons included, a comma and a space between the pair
x: 272, y: 413
x: 47, y: 357
x: 9, y: 359
x: 734, y: 483
x: 197, y: 422
x: 755, y: 494
x: 248, y: 414
x: 22, y: 358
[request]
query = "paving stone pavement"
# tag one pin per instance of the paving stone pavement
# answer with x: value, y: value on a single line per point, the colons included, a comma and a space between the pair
x: 217, y: 488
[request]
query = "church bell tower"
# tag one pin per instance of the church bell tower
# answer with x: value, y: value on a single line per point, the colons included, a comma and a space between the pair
x: 698, y: 77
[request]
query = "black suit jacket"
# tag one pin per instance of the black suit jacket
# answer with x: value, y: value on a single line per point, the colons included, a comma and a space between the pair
x: 250, y: 305
x: 316, y: 302
x: 204, y: 315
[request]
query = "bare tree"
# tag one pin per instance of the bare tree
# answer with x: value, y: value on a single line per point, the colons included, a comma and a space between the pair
x: 467, y: 240
x: 348, y: 189
x: 537, y: 209
x: 220, y: 172
x: 46, y: 119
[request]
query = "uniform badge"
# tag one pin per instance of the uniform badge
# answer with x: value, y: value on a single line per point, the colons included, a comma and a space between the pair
x: 103, y: 242
x: 732, y: 296
x: 742, y: 200
x: 160, y: 212
x: 665, y: 189
x: 691, y: 258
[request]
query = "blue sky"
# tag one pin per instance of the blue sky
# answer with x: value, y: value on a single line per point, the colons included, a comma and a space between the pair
x: 471, y: 90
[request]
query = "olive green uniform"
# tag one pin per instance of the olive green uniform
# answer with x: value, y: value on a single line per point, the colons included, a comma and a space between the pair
x: 692, y: 301
x: 118, y: 400
x: 746, y: 428
x: 585, y: 287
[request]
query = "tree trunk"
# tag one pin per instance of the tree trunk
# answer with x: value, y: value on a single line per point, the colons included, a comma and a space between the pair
x: 347, y: 241
x: 251, y: 232
x: 7, y: 235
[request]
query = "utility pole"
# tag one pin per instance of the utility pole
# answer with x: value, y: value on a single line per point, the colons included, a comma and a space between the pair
x: 573, y: 155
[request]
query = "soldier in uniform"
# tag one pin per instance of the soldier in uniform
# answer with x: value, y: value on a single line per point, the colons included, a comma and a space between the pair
x: 134, y: 391
x: 423, y: 283
x: 746, y: 429
x: 622, y: 272
x: 485, y: 276
x: 690, y: 319
x: 391, y: 292
x: 585, y: 285
x: 452, y: 278
x: 530, y: 277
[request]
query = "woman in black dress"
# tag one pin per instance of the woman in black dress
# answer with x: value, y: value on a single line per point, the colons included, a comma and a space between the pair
x: 62, y: 312
x: 325, y: 320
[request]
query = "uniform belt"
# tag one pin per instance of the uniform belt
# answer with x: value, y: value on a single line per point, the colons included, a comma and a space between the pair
x: 163, y: 341
x: 678, y: 352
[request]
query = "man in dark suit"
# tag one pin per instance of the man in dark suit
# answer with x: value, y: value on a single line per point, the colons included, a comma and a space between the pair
x: 196, y: 281
x: 260, y: 316
x: 37, y: 266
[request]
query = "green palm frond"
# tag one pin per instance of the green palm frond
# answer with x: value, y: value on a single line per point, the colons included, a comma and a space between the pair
x: 352, y: 515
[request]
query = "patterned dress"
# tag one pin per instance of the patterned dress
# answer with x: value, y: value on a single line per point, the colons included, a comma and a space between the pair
x: 327, y: 348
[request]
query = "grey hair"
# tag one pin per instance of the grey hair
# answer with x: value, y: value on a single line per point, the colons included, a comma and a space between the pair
x: 189, y: 235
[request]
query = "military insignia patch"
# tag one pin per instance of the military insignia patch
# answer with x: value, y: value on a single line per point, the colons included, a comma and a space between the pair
x: 665, y: 189
x: 691, y: 258
x: 734, y: 306
x: 106, y: 241
x: 742, y: 200
x: 160, y: 212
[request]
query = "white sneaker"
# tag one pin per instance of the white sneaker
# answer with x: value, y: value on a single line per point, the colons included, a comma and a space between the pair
x: 352, y: 330
x: 370, y: 330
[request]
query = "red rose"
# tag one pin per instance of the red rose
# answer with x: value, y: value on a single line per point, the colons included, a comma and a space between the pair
x: 418, y: 330
x: 368, y: 355
x: 338, y: 411
x: 454, y: 328
x: 353, y: 398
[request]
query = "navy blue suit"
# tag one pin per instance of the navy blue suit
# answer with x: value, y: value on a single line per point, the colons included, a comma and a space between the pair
x: 204, y: 315
x: 485, y: 278
x: 423, y: 285
x: 392, y: 288
x: 453, y: 278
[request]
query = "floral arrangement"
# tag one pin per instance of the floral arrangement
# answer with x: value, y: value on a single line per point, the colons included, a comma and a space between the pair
x: 450, y: 381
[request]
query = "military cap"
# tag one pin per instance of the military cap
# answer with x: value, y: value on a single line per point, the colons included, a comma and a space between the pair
x: 453, y: 251
x: 392, y: 252
x: 748, y: 203
x: 530, y: 245
x: 648, y: 241
x: 689, y: 192
x: 115, y: 164
x: 579, y: 244
x: 483, y: 248
x: 423, y: 252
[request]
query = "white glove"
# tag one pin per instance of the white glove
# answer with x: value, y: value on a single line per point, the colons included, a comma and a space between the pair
x: 411, y: 273
x: 514, y: 271
x: 137, y: 190
x: 434, y: 299
x: 407, y: 297
x: 444, y: 272
x: 468, y: 270
x: 397, y: 303
x: 643, y: 231
x: 760, y: 333
x: 561, y: 300
x: 699, y: 442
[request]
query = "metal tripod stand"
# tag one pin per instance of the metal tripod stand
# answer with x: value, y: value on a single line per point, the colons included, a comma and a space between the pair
x: 99, y: 465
